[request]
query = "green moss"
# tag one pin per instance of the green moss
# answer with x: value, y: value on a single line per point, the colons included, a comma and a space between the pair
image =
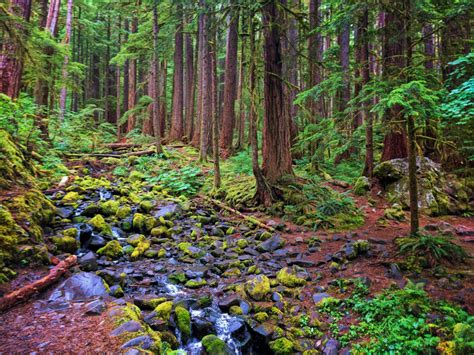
x: 261, y: 317
x: 463, y: 331
x: 135, y: 239
x: 140, y: 249
x: 177, y: 278
x: 195, y: 283
x: 110, y: 208
x: 128, y: 249
x: 242, y: 243
x: 123, y: 212
x: 395, y: 213
x: 65, y: 244
x: 146, y: 206
x: 160, y: 231
x: 99, y: 224
x: 183, y: 321
x: 117, y: 292
x: 235, y: 311
x: 362, y: 246
x: 163, y: 310
x: 142, y: 223
x: 282, y: 346
x: 70, y: 232
x: 288, y: 278
x: 258, y: 287
x: 71, y: 196
x: 214, y: 346
x: 112, y: 250
x: 234, y: 272
x: 161, y: 253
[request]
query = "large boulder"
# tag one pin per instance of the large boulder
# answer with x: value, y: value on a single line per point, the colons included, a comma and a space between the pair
x: 438, y: 193
x: 80, y: 287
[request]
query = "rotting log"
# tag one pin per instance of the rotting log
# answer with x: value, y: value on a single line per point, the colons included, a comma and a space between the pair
x: 27, y: 291
x: 240, y: 214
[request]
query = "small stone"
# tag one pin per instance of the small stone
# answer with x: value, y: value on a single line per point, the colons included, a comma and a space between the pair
x: 318, y: 297
x: 95, y: 307
x: 88, y: 262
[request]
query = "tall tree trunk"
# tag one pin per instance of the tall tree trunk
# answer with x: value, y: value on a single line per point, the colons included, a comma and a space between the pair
x: 42, y: 87
x: 343, y: 39
x: 276, y: 124
x: 154, y: 82
x: 132, y: 82
x: 263, y: 192
x: 364, y: 73
x: 63, y: 94
x: 315, y: 55
x: 395, y: 142
x: 215, y: 121
x: 240, y: 98
x: 430, y: 129
x: 196, y: 140
x: 189, y: 89
x: 176, y: 130
x: 162, y: 107
x: 206, y: 85
x: 118, y: 75
x: 126, y: 70
x: 11, y: 53
x: 289, y: 42
x: 230, y: 82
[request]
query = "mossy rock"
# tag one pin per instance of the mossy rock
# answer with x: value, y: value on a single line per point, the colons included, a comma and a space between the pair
x: 394, y: 213
x: 258, y: 287
x: 142, y: 223
x: 70, y: 232
x: 100, y: 225
x: 112, y: 250
x: 141, y: 248
x: 288, y: 277
x: 282, y: 346
x: 135, y: 239
x: 15, y: 169
x: 163, y: 310
x: 235, y: 311
x: 123, y: 212
x: 183, y: 321
x: 110, y: 207
x: 261, y: 317
x: 71, y: 197
x: 146, y: 206
x: 65, y: 244
x: 195, y: 283
x: 215, y: 346
x: 233, y: 272
x: 161, y: 231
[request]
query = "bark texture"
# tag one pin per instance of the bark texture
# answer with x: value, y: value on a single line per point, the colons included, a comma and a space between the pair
x: 177, y: 129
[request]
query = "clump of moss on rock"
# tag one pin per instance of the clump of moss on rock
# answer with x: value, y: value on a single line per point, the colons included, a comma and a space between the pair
x: 112, y: 250
x: 289, y: 278
x: 100, y: 225
x: 258, y: 287
x: 183, y: 321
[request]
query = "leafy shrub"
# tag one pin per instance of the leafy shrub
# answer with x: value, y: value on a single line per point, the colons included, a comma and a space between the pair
x: 397, y: 321
x: 435, y: 248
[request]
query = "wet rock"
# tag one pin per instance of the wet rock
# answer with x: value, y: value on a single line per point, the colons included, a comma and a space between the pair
x: 318, y: 297
x: 350, y: 252
x: 272, y: 244
x: 130, y: 327
x: 82, y: 286
x: 168, y: 210
x: 213, y: 345
x: 110, y: 276
x: 144, y: 342
x: 88, y: 262
x: 229, y: 301
x: 91, y: 210
x: 85, y: 233
x: 395, y: 272
x: 264, y: 331
x: 116, y: 291
x: 95, y: 307
x: 96, y: 242
x: 331, y: 348
x: 301, y: 262
x: 65, y: 212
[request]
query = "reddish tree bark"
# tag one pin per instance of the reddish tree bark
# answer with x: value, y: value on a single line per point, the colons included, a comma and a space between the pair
x: 230, y: 83
x: 11, y: 61
x: 343, y: 39
x: 118, y: 75
x: 242, y: 111
x: 132, y: 82
x: 206, y: 84
x: 197, y: 130
x: 162, y: 107
x: 394, y: 61
x: 154, y: 82
x: 177, y: 130
x: 189, y: 83
x: 276, y: 124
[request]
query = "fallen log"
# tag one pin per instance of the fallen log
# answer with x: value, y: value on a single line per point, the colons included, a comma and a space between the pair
x: 122, y: 145
x: 111, y: 155
x: 27, y: 291
x: 232, y: 210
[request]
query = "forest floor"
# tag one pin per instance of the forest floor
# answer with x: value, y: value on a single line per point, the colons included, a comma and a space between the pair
x: 37, y: 326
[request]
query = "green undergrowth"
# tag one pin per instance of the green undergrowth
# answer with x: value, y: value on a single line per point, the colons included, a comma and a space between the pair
x: 399, y: 321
